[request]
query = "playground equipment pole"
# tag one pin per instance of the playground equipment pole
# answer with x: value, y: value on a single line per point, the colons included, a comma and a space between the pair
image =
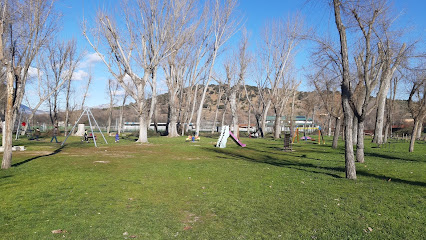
x: 319, y: 137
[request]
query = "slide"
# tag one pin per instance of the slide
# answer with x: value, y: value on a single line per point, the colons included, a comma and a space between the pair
x: 236, y: 139
x: 223, y: 138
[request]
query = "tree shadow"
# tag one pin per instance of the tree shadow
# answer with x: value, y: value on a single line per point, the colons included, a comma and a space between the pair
x: 308, y: 167
x: 279, y: 162
x: 34, y: 158
x: 387, y: 156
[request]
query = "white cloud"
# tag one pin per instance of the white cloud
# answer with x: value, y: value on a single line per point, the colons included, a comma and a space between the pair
x: 120, y: 93
x: 32, y: 72
x: 127, y: 79
x: 80, y: 75
x: 90, y: 59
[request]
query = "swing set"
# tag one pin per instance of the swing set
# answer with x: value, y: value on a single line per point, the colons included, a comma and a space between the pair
x: 320, y: 135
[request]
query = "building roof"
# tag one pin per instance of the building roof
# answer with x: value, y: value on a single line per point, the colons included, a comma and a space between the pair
x: 283, y: 118
x: 272, y: 118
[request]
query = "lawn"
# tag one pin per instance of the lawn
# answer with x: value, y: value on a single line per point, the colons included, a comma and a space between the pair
x: 172, y: 189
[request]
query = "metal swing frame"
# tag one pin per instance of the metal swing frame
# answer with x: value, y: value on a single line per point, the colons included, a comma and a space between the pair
x: 89, y: 114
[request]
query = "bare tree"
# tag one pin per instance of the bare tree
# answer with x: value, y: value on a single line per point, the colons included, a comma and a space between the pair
x: 220, y: 93
x: 223, y: 26
x: 148, y: 38
x: 350, y: 169
x: 236, y: 70
x: 56, y: 73
x: 391, y: 108
x: 66, y: 64
x: 86, y: 90
x: 24, y: 27
x: 417, y: 104
x: 120, y: 121
x: 368, y: 70
x: 392, y: 55
x: 72, y: 62
x: 279, y: 41
x: 112, y: 95
x: 326, y: 87
x: 198, y: 63
x: 177, y: 67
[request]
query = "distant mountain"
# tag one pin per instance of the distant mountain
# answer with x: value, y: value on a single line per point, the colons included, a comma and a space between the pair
x: 28, y: 110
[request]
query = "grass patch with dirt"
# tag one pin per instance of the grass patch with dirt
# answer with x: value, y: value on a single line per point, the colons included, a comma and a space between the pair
x: 170, y: 189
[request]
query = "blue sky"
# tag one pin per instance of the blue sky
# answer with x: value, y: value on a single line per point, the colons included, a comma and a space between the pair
x: 256, y: 12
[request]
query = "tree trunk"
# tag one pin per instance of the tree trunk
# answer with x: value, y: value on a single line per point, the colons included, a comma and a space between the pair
x: 264, y: 115
x: 217, y: 109
x: 355, y: 130
x: 413, y: 135
x: 8, y: 116
x: 360, y: 142
x: 350, y: 169
x: 120, y: 121
x: 383, y: 90
x: 378, y: 130
x: 67, y: 107
x: 172, y: 115
x: 143, y: 130
x: 336, y: 132
x: 277, y: 126
x: 154, y: 95
x: 292, y: 114
x: 109, y: 120
x: 349, y: 147
x: 192, y: 108
x: 234, y: 113
x: 223, y: 116
x: 329, y: 126
x: 215, y: 119
x: 200, y: 110
x: 385, y: 136
x: 420, y: 128
x: 143, y: 115
x: 248, y: 121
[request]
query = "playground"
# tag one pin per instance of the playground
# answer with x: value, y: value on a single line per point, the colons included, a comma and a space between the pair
x: 171, y: 188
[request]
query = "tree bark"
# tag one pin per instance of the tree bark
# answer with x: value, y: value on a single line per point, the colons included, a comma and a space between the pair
x: 420, y: 128
x: 292, y: 113
x: 385, y: 82
x: 172, y: 119
x: 277, y: 126
x: 67, y: 107
x: 234, y: 113
x: 355, y: 130
x: 385, y: 136
x: 143, y: 115
x: 360, y: 142
x: 7, y: 154
x: 264, y: 115
x: 336, y: 132
x: 350, y: 169
x: 194, y: 104
x: 413, y: 135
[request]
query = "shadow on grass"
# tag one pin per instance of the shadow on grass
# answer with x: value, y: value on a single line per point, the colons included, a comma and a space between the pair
x: 387, y: 156
x: 308, y: 167
x: 280, y: 162
x: 34, y: 158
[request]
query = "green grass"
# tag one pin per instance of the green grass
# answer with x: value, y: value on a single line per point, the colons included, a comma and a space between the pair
x: 172, y: 189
